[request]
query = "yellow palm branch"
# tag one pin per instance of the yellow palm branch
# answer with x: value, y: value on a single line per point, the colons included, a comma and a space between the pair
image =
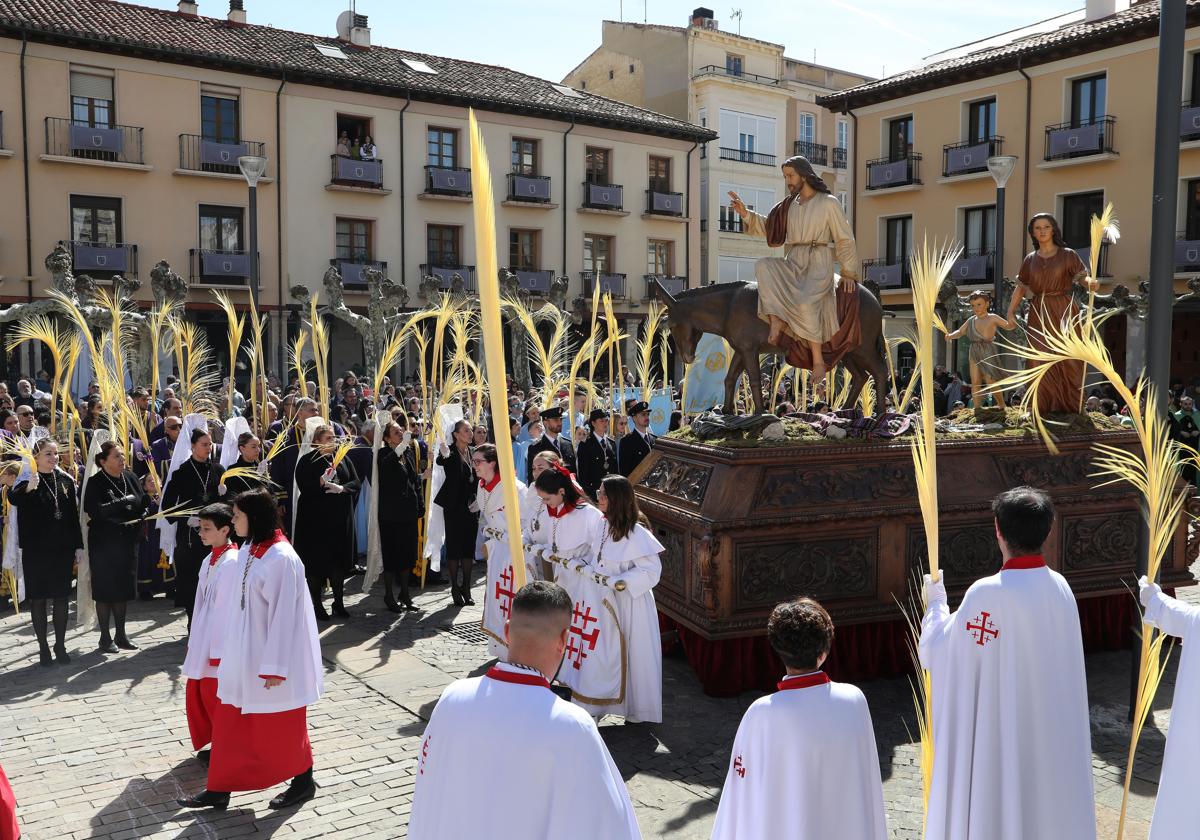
x: 296, y: 358
x: 655, y: 313
x: 236, y: 325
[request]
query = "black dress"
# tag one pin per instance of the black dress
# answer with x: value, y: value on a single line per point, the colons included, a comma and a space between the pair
x: 597, y: 457
x: 49, y: 533
x: 115, y: 506
x: 455, y: 497
x: 324, y: 532
x: 193, y: 485
x: 400, y: 505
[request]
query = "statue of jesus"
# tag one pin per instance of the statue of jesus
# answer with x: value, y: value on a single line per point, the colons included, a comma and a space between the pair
x: 796, y: 292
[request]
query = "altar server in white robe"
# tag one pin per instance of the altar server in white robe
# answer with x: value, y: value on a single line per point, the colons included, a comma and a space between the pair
x: 1175, y: 808
x: 564, y: 528
x: 489, y: 499
x: 804, y: 763
x: 627, y: 553
x: 504, y: 757
x: 1012, y: 745
x: 533, y: 510
x: 217, y: 587
x: 270, y: 669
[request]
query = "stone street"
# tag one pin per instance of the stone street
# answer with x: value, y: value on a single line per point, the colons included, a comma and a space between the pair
x: 99, y: 748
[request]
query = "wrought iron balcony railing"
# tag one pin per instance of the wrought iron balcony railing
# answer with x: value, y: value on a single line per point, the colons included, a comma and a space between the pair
x: 670, y: 283
x: 1094, y: 137
x: 111, y: 143
x: 102, y: 259
x: 884, y: 173
x: 534, y: 189
x: 817, y: 153
x: 660, y: 203
x: 220, y: 268
x: 352, y: 271
x: 611, y: 283
x: 969, y: 156
x: 446, y: 274
x: 447, y: 180
x: 747, y: 157
x: 839, y: 157
x: 973, y: 266
x: 603, y: 196
x: 198, y: 154
x: 353, y: 172
x: 888, y: 274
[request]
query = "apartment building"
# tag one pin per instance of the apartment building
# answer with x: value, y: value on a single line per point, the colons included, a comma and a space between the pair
x: 121, y: 125
x: 1073, y: 98
x: 762, y: 104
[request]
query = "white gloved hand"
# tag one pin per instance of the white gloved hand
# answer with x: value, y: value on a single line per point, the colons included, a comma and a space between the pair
x: 262, y: 467
x: 334, y: 488
x: 1147, y: 590
x: 406, y: 440
x: 935, y: 591
x: 328, y: 475
x: 399, y: 450
x: 35, y: 481
x: 79, y: 559
x: 443, y: 449
x: 222, y: 489
x: 193, y: 522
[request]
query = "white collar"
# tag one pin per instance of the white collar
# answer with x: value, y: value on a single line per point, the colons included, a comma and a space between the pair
x: 799, y: 676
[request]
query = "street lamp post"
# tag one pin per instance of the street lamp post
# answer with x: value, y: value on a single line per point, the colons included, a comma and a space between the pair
x: 253, y: 167
x: 1001, y: 168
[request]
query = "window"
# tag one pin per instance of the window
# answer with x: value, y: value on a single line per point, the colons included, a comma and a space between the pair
x: 1192, y: 210
x: 96, y: 220
x: 900, y: 138
x: 597, y: 253
x: 660, y: 257
x: 442, y: 146
x: 843, y: 134
x: 981, y: 121
x: 732, y: 269
x: 356, y: 129
x: 806, y: 131
x: 523, y: 250
x: 841, y: 197
x: 92, y: 99
x: 596, y: 162
x: 979, y: 230
x: 1077, y: 212
x: 610, y: 74
x: 758, y: 200
x: 631, y: 70
x: 220, y: 228
x: 747, y: 132
x: 733, y: 64
x: 219, y: 118
x: 354, y: 240
x: 442, y: 243
x: 1088, y: 100
x: 524, y: 156
x: 660, y: 174
x: 899, y: 239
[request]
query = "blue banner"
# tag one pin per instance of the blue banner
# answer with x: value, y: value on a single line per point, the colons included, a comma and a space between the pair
x: 661, y: 406
x: 705, y: 386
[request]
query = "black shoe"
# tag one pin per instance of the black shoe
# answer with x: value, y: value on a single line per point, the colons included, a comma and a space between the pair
x: 409, y: 606
x: 340, y: 611
x: 294, y: 795
x: 106, y: 646
x: 60, y: 653
x: 204, y: 756
x: 392, y: 606
x: 456, y: 595
x: 321, y: 614
x: 45, y: 658
x: 124, y: 644
x: 205, y: 799
x: 467, y: 599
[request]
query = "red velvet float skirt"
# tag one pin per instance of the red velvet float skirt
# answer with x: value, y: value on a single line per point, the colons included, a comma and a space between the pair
x: 201, y: 703
x: 255, y: 752
x: 9, y: 830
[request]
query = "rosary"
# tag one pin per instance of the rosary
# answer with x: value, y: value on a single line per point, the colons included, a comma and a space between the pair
x: 54, y: 493
x: 203, y: 480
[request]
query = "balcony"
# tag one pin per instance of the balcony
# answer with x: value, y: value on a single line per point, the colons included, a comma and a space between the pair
x: 730, y: 222
x: 220, y: 268
x: 102, y: 144
x: 603, y: 196
x: 446, y: 275
x: 670, y: 283
x: 969, y: 157
x: 747, y: 157
x: 529, y: 189
x: 973, y: 267
x: 535, y: 281
x: 885, y: 173
x: 196, y: 154
x: 1189, y: 123
x: 100, y: 259
x: 352, y: 272
x: 664, y: 203
x: 613, y: 284
x: 447, y: 181
x: 887, y: 274
x: 1187, y: 252
x: 817, y: 153
x: 839, y: 157
x: 718, y: 70
x: 354, y: 173
x: 1067, y: 141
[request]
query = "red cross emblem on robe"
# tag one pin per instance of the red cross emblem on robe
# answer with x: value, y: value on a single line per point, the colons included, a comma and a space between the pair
x: 580, y: 641
x: 504, y: 590
x: 983, y: 628
x: 739, y: 768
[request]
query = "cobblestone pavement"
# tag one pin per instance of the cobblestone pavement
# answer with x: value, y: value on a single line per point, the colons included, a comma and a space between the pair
x: 99, y: 748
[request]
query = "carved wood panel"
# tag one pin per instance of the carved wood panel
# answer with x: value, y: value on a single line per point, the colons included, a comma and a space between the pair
x: 672, y: 558
x: 1073, y: 469
x: 826, y: 569
x: 679, y: 479
x: 791, y: 487
x: 966, y: 551
x: 1095, y: 542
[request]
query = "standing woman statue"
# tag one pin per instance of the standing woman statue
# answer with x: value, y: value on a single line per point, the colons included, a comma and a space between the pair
x: 1047, y: 277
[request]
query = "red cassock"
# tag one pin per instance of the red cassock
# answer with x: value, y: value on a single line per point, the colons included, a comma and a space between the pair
x: 201, y: 703
x: 255, y: 752
x: 9, y: 830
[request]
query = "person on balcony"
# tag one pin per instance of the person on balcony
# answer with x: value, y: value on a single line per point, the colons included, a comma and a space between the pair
x: 367, y: 150
x: 343, y: 145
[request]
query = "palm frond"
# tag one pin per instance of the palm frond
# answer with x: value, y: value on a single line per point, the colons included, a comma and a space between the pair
x: 655, y: 313
x: 235, y: 326
x: 296, y: 359
x: 390, y: 357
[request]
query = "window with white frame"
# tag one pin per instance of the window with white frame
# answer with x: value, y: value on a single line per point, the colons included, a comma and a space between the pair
x: 843, y: 134
x: 756, y: 199
x: 806, y: 129
x: 732, y: 269
x: 747, y: 132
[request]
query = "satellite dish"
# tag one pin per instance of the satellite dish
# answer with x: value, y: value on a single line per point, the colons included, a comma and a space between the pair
x: 343, y: 24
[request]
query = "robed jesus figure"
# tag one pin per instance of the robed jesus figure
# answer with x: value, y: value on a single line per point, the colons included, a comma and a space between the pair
x: 797, y: 292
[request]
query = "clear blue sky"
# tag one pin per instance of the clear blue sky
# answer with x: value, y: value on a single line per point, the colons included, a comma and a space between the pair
x: 547, y: 38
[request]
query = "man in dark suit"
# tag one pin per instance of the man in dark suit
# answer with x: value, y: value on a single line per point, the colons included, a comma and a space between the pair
x: 637, y: 444
x: 552, y: 440
x: 597, y: 454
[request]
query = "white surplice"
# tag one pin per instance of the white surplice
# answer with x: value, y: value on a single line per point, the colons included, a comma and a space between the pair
x: 804, y: 766
x: 1174, y: 810
x: 218, y: 587
x: 567, y: 535
x: 534, y: 766
x: 1012, y: 745
x: 273, y: 634
x: 500, y: 589
x: 635, y: 561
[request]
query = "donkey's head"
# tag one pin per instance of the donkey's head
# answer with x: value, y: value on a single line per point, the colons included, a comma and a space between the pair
x: 683, y: 333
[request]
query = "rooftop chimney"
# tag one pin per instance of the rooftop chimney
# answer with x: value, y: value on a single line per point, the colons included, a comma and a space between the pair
x: 1101, y: 9
x: 360, y: 33
x: 187, y: 8
x: 237, y: 11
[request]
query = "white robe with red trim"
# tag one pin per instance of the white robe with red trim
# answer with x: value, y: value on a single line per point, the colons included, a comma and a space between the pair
x: 1175, y: 808
x: 1012, y: 743
x: 501, y: 587
x: 218, y: 587
x: 804, y: 766
x: 534, y: 766
x: 274, y: 634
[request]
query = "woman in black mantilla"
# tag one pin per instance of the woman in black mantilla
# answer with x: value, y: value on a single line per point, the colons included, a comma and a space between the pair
x: 324, y: 532
x: 115, y: 503
x: 400, y: 505
x: 194, y: 484
x: 51, y: 543
x: 250, y: 457
x: 457, y: 497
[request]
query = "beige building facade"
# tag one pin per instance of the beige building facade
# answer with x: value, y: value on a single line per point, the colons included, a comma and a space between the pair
x: 762, y: 104
x: 1073, y: 98
x: 129, y: 157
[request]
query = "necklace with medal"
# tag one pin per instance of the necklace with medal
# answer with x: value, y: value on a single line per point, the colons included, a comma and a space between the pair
x: 122, y: 488
x: 53, y: 485
x: 202, y: 479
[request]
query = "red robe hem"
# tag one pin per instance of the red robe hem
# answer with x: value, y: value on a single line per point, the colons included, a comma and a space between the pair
x: 258, y: 751
x: 9, y: 829
x: 200, y: 701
